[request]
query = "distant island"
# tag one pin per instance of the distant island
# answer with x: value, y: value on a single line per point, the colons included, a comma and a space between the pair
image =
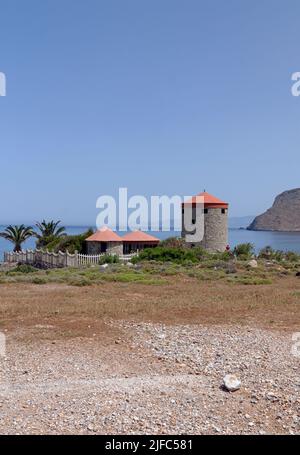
x: 283, y: 216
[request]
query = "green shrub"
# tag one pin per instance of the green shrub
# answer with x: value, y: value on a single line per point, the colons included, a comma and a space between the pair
x: 291, y: 256
x: 22, y: 268
x: 167, y: 254
x: 79, y: 281
x: 39, y: 280
x: 200, y: 253
x: 224, y: 256
x: 269, y: 253
x: 276, y: 255
x: 179, y: 255
x: 266, y: 253
x: 251, y: 281
x: 109, y: 259
x: 244, y: 251
x: 133, y: 277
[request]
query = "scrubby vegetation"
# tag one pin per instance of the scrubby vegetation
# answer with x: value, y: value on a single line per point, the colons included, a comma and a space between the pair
x: 109, y: 259
x: 81, y: 277
x: 179, y: 255
x: 155, y: 266
x: 156, y: 272
x: 244, y: 251
x: 70, y: 243
x: 167, y: 254
x: 277, y: 255
x: 22, y: 268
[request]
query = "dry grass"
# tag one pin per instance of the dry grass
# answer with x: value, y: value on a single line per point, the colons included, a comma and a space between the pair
x: 182, y: 300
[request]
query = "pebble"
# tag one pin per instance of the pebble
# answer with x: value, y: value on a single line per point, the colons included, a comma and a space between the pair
x: 231, y: 382
x: 121, y: 388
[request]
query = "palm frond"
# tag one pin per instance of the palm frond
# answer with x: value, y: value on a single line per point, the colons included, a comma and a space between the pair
x: 48, y: 230
x: 17, y: 235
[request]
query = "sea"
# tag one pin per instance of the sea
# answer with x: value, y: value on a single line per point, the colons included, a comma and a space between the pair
x: 285, y: 241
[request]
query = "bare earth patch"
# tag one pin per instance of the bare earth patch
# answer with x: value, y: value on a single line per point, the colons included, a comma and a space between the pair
x: 130, y: 358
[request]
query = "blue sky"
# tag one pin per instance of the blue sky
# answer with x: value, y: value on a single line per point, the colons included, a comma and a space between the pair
x: 161, y: 96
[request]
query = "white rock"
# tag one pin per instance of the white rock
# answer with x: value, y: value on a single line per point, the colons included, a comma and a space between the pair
x: 231, y: 382
x: 104, y: 266
x: 253, y: 263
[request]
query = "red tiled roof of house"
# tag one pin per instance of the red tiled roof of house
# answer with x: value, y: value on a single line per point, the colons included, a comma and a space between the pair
x: 104, y: 235
x: 139, y: 236
x: 207, y: 199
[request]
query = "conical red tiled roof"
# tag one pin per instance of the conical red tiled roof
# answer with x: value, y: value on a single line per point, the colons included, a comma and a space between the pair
x: 207, y: 199
x: 104, y: 235
x: 139, y: 236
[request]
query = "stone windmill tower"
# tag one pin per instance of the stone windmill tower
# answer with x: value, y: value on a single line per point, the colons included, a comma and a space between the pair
x: 214, y: 217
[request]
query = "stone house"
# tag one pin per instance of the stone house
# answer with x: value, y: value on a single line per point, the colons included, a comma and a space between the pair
x: 138, y: 240
x: 104, y: 241
x: 107, y: 241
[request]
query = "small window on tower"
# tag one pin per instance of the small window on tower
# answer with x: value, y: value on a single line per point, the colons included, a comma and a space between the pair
x: 193, y: 221
x: 205, y: 211
x: 223, y: 210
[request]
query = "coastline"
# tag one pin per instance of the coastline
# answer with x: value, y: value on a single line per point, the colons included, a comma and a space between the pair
x: 278, y: 240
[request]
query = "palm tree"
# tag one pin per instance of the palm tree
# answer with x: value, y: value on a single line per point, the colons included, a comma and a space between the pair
x: 17, y: 235
x: 49, y: 231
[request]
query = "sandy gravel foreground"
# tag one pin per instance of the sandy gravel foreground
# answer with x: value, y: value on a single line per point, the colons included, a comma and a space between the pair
x: 151, y: 378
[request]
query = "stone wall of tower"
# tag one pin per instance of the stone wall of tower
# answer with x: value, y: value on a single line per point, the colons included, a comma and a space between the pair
x: 215, y: 230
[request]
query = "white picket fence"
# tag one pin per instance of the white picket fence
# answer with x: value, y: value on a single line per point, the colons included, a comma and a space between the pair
x: 56, y: 260
x: 89, y: 259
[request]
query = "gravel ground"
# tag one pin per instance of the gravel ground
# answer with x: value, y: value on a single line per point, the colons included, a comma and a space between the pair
x: 137, y: 378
